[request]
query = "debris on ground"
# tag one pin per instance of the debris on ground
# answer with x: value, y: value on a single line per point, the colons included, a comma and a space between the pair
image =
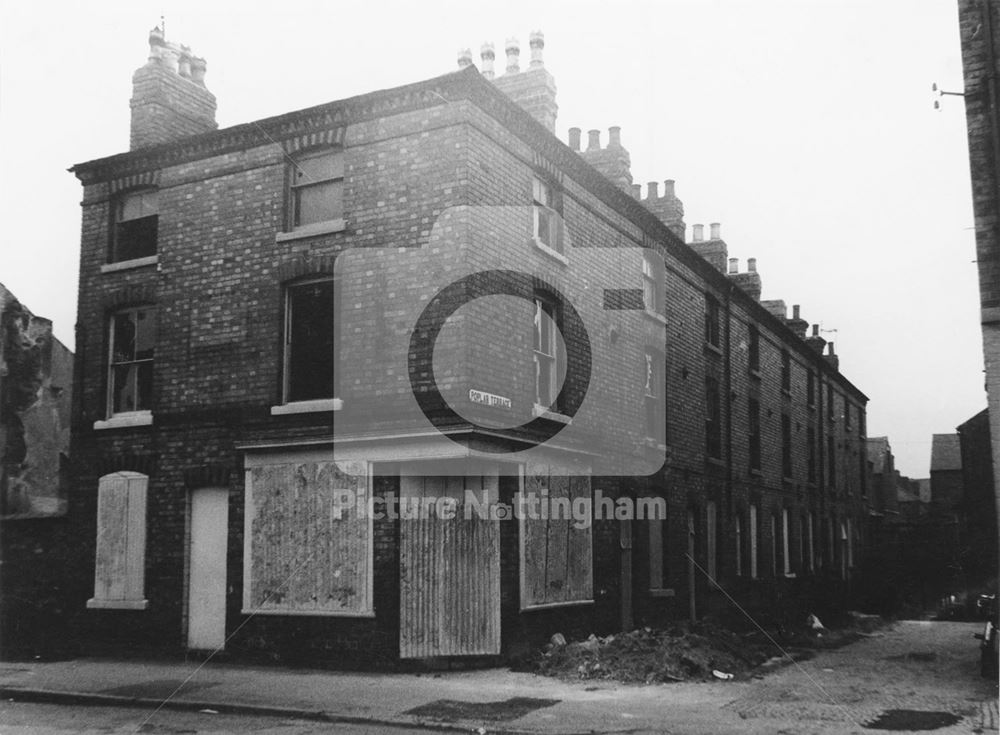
x: 645, y: 655
x: 703, y: 651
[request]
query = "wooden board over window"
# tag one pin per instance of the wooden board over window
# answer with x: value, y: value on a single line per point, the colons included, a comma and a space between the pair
x: 306, y: 550
x: 556, y: 556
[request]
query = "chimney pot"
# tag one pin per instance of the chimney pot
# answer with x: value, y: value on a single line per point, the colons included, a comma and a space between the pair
x: 698, y: 233
x: 734, y: 265
x: 715, y: 230
x: 652, y: 190
x: 594, y: 140
x: 830, y: 346
x: 637, y: 191
x: 751, y: 265
x: 815, y: 330
x: 487, y: 55
x: 464, y: 58
x: 156, y: 44
x: 184, y: 63
x: 795, y: 311
x: 513, y: 49
x: 574, y: 138
x: 668, y: 188
x: 537, y: 42
x: 614, y: 137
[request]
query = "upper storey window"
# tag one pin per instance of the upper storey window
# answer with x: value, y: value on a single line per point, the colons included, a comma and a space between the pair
x: 547, y: 205
x: 130, y: 378
x: 310, y: 341
x: 317, y: 189
x: 136, y: 221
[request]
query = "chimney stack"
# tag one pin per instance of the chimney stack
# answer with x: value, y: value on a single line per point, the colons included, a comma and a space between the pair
x: 815, y: 341
x: 667, y: 207
x: 777, y: 307
x: 714, y: 249
x: 749, y: 281
x: 614, y: 161
x: 169, y: 99
x: 831, y: 357
x: 533, y: 89
x: 797, y: 324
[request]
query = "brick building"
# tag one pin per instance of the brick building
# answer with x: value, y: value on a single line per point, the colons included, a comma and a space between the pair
x: 979, y: 21
x: 248, y: 297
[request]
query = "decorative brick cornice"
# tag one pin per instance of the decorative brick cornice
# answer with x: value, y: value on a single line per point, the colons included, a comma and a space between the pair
x: 329, y: 119
x: 316, y: 138
x: 135, y: 181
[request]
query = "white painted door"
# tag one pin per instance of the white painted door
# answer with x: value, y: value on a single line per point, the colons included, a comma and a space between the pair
x: 207, y: 582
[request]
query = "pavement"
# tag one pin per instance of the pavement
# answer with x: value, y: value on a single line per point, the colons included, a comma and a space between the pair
x: 908, y: 667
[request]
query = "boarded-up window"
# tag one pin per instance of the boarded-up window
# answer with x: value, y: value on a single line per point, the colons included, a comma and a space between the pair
x: 308, y: 540
x: 119, y: 569
x: 556, y: 556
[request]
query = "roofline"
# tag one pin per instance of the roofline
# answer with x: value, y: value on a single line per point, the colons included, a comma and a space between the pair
x: 471, y: 86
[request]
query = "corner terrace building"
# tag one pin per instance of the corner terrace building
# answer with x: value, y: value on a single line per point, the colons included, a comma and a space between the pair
x: 262, y: 307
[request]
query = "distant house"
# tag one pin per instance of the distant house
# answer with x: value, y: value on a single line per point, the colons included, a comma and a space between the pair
x: 884, y: 474
x: 946, y: 471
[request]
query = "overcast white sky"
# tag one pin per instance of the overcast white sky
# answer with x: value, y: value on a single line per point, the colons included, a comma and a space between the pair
x: 805, y: 127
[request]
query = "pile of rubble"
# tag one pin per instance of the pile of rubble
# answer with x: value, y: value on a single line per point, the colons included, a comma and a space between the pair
x: 646, y: 655
x: 704, y: 651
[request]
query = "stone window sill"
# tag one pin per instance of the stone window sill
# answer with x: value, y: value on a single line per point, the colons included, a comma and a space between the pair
x: 124, y: 265
x: 551, y: 605
x: 95, y: 604
x: 539, y: 411
x: 125, y: 420
x: 656, y: 317
x: 318, y: 406
x: 709, y: 347
x: 317, y: 228
x: 311, y: 613
x: 666, y: 592
x: 554, y: 254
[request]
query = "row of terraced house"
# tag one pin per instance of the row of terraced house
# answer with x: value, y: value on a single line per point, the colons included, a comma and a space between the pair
x: 288, y: 328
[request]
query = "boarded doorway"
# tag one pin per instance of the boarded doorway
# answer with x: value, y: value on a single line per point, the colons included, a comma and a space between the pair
x: 207, y: 578
x: 449, y: 568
